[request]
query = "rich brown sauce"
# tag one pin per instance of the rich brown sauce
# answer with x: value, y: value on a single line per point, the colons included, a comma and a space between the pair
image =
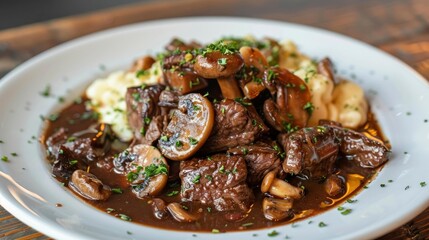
x: 139, y: 210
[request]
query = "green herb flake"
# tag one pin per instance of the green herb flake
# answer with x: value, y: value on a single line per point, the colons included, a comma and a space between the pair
x: 390, y: 181
x: 322, y: 224
x: 73, y: 162
x: 5, y: 159
x: 110, y: 210
x: 222, y: 61
x: 208, y: 177
x: 273, y: 233
x: 308, y: 107
x: 214, y: 230
x: 346, y: 211
x: 172, y: 193
x: 196, y: 179
x: 196, y: 108
x: 340, y: 208
x: 129, y: 233
x: 407, y: 187
x: 193, y: 141
x: 382, y: 185
x: 117, y: 190
x: 243, y: 101
x: 14, y: 154
x: 1, y: 141
x: 140, y: 73
x: 422, y: 184
x: 124, y: 217
x: 247, y: 224
x: 46, y: 92
x: 142, y: 131
x: 209, y: 209
x: 222, y: 169
x: 206, y: 95
x: 271, y: 75
x: 155, y: 169
x: 179, y: 144
x: 351, y: 200
x: 244, y: 150
x: 164, y: 138
x: 53, y: 117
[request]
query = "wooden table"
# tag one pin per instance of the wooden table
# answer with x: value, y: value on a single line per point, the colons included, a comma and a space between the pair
x: 399, y: 27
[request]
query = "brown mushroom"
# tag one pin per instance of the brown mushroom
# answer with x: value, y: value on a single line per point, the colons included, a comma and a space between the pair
x: 221, y: 66
x: 184, y: 81
x: 189, y: 128
x: 159, y: 208
x: 148, y: 172
x: 325, y: 67
x: 280, y: 188
x: 179, y: 214
x: 277, y: 209
x: 255, y: 63
x: 89, y: 186
x: 143, y: 63
x: 291, y: 106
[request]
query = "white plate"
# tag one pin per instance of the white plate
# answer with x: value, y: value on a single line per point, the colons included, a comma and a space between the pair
x: 397, y: 94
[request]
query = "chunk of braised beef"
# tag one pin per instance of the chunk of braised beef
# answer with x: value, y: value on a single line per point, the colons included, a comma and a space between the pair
x: 218, y: 181
x: 155, y: 128
x: 236, y: 124
x: 66, y: 163
x: 54, y: 141
x: 83, y: 149
x: 261, y: 158
x: 311, y: 152
x: 142, y: 106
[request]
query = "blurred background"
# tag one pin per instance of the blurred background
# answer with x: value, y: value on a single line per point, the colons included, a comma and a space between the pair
x: 15, y: 13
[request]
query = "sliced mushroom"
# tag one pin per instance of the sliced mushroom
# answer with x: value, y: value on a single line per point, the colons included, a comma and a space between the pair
x: 222, y: 67
x: 89, y: 186
x: 189, y: 128
x: 184, y: 81
x: 291, y: 107
x: 180, y: 214
x: 148, y: 172
x: 255, y: 63
x: 277, y: 209
x: 280, y: 188
x: 143, y: 63
x: 159, y: 208
x: 325, y: 67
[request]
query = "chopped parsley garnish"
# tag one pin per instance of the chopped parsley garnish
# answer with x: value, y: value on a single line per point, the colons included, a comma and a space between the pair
x: 14, y: 154
x: 136, y: 96
x: 146, y: 120
x: 124, y: 217
x: 422, y: 184
x: 244, y: 150
x: 142, y: 131
x: 407, y: 187
x: 247, y: 224
x: 288, y: 127
x: 46, y: 92
x: 53, y: 117
x: 179, y: 144
x: 164, y: 138
x: 1, y: 141
x: 390, y: 181
x: 116, y: 190
x: 193, y: 141
x: 214, y: 230
x: 273, y: 233
x: 172, y: 193
x: 351, y: 200
x: 243, y: 101
x: 222, y: 169
x: 196, y: 108
x: 382, y: 185
x: 346, y: 211
x: 206, y: 95
x: 208, y: 177
x: 196, y: 83
x: 196, y: 179
x: 209, y: 209
x: 155, y: 169
x: 109, y: 210
x: 302, y: 87
x: 223, y: 110
x: 5, y: 159
x: 322, y: 224
x: 271, y: 75
x: 140, y: 73
x: 222, y: 61
x: 308, y: 107
x: 228, y: 47
x: 73, y: 162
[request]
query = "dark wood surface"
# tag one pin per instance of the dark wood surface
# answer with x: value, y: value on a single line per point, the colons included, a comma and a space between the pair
x: 399, y: 27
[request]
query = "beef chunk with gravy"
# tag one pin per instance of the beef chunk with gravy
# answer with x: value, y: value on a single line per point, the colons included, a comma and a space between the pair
x: 218, y: 181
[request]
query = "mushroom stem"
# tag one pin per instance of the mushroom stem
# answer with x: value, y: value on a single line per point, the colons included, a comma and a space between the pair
x: 229, y: 87
x: 282, y: 189
x: 179, y: 214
